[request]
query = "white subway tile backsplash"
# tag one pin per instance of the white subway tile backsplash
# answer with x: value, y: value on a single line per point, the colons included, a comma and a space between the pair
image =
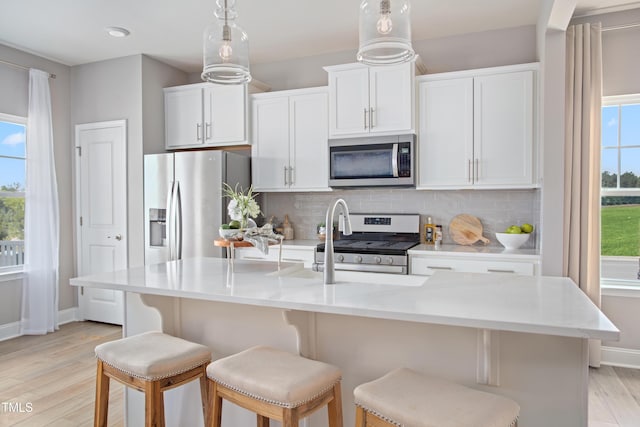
x: 496, y: 209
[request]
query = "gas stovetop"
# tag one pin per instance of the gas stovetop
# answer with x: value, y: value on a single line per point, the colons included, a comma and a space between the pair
x: 378, y: 247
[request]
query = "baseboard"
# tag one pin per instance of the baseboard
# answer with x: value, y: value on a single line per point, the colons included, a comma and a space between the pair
x: 69, y: 315
x: 9, y: 330
x: 12, y: 330
x: 623, y: 357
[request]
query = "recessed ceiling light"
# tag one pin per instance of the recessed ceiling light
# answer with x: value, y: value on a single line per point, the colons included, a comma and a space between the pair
x: 117, y: 32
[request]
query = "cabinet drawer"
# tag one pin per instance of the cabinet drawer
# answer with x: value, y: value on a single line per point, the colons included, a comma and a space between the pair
x: 305, y: 256
x: 427, y: 266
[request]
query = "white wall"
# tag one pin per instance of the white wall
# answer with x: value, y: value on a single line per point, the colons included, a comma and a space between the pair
x: 14, y: 92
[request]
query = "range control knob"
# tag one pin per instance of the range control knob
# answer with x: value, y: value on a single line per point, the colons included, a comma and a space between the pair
x: 358, y: 258
x: 378, y: 260
x: 340, y: 258
x: 389, y: 260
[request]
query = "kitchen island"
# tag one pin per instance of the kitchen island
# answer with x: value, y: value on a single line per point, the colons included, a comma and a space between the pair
x: 523, y: 337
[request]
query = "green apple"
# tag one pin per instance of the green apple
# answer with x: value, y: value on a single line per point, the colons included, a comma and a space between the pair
x: 514, y: 229
x: 225, y: 226
x: 234, y: 224
x: 526, y: 228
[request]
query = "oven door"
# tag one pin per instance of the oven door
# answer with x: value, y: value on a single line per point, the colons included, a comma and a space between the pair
x: 353, y: 163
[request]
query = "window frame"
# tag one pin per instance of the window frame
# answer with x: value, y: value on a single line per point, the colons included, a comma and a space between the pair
x: 13, y: 272
x: 616, y: 286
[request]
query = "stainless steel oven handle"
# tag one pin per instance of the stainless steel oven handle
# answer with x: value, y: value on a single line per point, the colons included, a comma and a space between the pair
x: 394, y: 160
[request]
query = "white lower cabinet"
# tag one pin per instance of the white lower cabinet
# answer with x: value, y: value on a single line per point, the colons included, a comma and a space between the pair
x: 291, y: 254
x: 427, y: 265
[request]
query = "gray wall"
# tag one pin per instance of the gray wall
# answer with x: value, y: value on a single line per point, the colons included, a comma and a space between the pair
x: 14, y: 92
x: 127, y: 88
x: 621, y: 75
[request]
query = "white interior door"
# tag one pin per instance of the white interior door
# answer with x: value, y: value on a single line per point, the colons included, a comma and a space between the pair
x: 101, y: 164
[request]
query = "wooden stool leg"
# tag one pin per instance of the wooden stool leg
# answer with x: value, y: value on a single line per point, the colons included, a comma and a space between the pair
x: 102, y: 397
x: 335, y: 407
x: 204, y: 395
x: 153, y: 405
x: 290, y: 418
x: 360, y: 417
x: 215, y: 413
x: 262, y: 421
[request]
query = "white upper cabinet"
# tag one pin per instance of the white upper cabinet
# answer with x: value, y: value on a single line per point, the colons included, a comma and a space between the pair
x: 477, y: 129
x: 290, y: 140
x: 205, y: 115
x: 370, y: 100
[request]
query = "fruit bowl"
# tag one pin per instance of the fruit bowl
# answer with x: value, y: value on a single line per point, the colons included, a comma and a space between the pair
x: 230, y: 233
x: 512, y: 241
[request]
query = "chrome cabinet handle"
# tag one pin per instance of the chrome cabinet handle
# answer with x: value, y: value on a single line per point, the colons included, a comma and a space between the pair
x: 365, y: 118
x: 439, y: 268
x: 198, y: 126
x: 285, y: 176
x: 469, y: 172
x: 207, y: 131
x: 371, y: 116
x: 477, y: 169
x: 292, y: 176
x: 496, y: 270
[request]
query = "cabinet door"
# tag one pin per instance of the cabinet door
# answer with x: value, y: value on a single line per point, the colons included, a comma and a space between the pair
x: 309, y: 141
x: 224, y: 114
x: 349, y: 102
x: 183, y: 118
x: 503, y: 129
x: 270, y: 143
x: 445, y: 117
x: 391, y: 98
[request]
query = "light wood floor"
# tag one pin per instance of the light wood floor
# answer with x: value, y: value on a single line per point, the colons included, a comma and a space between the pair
x: 55, y: 373
x: 614, y: 397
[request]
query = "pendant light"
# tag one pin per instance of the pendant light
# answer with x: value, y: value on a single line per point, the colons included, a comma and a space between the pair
x: 385, y: 32
x: 225, y: 48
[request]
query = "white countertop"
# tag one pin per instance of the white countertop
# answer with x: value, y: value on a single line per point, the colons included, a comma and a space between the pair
x: 498, y: 252
x: 544, y: 305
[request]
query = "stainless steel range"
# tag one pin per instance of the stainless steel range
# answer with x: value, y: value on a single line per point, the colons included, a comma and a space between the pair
x: 379, y: 242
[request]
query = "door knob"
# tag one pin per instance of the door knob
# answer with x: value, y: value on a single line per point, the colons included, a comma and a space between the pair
x: 118, y: 236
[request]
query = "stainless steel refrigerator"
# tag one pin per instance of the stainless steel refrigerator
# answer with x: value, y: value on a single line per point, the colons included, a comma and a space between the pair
x: 183, y: 201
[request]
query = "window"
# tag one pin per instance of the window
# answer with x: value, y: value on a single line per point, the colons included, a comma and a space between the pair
x: 12, y: 187
x: 620, y: 189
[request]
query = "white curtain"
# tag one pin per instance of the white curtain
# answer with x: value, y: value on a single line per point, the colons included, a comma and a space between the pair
x: 582, y: 164
x: 41, y: 224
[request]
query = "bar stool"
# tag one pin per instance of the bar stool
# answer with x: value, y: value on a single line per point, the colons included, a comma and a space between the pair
x: 404, y: 397
x: 274, y: 385
x: 151, y: 362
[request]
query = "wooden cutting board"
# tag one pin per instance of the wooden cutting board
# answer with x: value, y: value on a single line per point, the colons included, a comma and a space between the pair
x: 466, y: 229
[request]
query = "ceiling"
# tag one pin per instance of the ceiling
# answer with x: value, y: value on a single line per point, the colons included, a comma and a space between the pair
x: 73, y: 32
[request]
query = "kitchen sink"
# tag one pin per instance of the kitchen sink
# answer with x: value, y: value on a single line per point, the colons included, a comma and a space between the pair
x: 343, y: 276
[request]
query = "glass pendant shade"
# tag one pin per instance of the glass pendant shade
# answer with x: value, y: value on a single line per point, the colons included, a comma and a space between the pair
x: 385, y: 32
x: 225, y: 48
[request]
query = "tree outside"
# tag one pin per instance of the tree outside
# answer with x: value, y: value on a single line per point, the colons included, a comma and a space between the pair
x: 11, y: 213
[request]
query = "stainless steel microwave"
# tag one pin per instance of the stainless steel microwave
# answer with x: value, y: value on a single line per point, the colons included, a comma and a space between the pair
x: 372, y: 161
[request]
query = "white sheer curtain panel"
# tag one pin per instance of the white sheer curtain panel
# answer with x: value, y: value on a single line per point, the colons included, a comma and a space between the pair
x: 582, y: 164
x: 41, y: 224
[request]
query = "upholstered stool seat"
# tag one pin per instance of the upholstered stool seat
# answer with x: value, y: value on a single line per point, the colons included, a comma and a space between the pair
x: 275, y: 385
x: 151, y: 362
x: 404, y: 397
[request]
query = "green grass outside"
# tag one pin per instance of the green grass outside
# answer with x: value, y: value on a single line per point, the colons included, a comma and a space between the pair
x: 620, y: 230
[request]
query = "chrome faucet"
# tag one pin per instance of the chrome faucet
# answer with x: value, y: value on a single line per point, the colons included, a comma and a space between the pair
x: 329, y: 266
